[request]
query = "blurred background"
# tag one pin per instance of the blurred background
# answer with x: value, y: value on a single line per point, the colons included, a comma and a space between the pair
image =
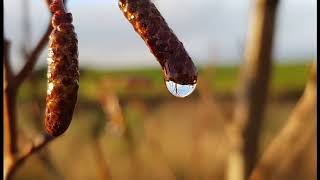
x: 126, y: 124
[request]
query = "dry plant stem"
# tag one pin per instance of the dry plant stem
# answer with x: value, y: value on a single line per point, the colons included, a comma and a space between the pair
x: 153, y: 142
x: 293, y: 137
x: 210, y: 105
x: 102, y: 166
x: 111, y: 107
x: 113, y: 110
x: 250, y: 105
x: 290, y: 166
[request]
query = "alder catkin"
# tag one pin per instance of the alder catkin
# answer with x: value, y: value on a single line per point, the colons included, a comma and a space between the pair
x: 63, y: 71
x: 162, y: 42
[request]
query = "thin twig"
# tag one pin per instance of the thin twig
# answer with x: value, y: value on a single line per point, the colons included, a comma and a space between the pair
x: 33, y: 57
x: 293, y: 135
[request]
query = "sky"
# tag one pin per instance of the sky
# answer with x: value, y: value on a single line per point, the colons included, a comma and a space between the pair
x: 212, y: 31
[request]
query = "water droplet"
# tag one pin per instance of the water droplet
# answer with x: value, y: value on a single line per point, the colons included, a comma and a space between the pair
x: 180, y: 90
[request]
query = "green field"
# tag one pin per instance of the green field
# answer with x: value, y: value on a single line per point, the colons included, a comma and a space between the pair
x: 286, y: 78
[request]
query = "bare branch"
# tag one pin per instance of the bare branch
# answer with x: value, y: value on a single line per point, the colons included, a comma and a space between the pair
x: 6, y: 61
x: 250, y: 105
x: 9, y: 108
x: 293, y: 137
x: 10, y: 121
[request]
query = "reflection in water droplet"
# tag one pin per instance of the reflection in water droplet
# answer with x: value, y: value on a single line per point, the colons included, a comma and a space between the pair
x: 179, y: 90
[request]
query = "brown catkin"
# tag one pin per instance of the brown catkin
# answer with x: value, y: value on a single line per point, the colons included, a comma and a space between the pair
x: 63, y: 71
x: 162, y: 42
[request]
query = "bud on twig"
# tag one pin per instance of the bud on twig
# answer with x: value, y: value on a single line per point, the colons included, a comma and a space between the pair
x: 63, y: 71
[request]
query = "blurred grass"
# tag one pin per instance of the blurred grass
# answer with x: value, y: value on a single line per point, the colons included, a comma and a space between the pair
x: 286, y: 78
x: 164, y: 132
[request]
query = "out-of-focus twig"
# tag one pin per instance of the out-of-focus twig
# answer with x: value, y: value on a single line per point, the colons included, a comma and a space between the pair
x: 251, y: 100
x: 209, y: 107
x: 37, y: 145
x: 208, y: 98
x: 113, y: 111
x: 292, y: 139
x: 33, y: 57
x: 151, y: 140
x: 10, y: 130
x: 102, y: 166
x: 6, y: 61
x: 111, y: 106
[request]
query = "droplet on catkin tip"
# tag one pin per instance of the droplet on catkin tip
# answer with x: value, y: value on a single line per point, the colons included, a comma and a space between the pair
x: 180, y: 90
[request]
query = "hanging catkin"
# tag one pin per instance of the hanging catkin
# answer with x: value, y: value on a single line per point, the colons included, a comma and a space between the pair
x: 162, y: 42
x: 63, y: 71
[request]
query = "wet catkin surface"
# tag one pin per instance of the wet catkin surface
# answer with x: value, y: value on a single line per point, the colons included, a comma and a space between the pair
x: 162, y: 42
x: 63, y: 72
